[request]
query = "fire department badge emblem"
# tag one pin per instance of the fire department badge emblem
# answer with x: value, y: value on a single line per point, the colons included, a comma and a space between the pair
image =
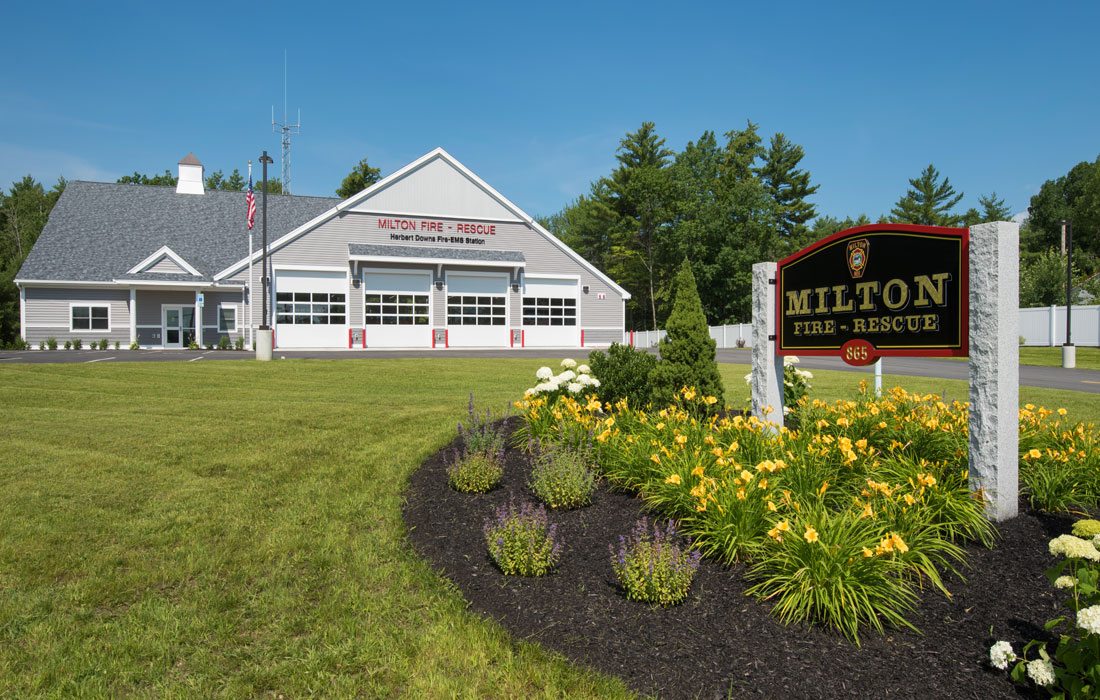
x: 858, y: 252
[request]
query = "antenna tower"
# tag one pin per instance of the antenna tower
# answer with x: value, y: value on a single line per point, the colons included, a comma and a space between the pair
x: 287, y: 129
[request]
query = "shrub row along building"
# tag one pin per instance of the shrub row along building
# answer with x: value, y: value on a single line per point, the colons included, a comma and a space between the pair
x: 429, y: 257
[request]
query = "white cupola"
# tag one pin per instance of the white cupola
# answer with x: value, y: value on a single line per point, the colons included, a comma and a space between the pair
x: 190, y: 180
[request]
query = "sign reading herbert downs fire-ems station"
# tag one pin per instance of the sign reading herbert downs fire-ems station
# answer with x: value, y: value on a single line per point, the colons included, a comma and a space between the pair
x: 873, y: 291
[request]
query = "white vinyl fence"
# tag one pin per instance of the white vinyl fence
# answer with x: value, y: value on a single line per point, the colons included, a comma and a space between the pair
x: 1047, y: 325
x: 1042, y: 326
x: 724, y: 336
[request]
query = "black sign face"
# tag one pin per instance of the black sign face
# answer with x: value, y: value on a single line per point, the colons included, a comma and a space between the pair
x: 885, y: 289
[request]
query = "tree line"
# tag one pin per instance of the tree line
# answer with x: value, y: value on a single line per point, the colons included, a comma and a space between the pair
x: 723, y: 204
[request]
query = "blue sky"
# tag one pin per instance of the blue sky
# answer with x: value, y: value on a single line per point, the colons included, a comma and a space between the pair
x: 535, y: 97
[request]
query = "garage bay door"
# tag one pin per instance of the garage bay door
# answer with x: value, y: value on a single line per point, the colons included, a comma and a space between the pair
x: 477, y: 310
x: 397, y: 309
x: 311, y: 309
x: 550, y: 313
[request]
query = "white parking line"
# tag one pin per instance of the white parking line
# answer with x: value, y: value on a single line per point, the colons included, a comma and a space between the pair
x: 102, y: 359
x: 195, y: 358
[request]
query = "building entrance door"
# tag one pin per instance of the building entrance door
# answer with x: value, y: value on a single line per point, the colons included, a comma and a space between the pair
x: 179, y: 326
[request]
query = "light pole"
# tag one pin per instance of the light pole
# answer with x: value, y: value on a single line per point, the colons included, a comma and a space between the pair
x: 1069, y: 352
x: 266, y: 339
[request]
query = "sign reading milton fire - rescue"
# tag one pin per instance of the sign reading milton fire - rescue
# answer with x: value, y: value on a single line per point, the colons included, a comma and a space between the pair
x: 873, y: 291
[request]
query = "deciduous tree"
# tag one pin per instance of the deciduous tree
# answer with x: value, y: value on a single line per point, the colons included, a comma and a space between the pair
x: 360, y: 178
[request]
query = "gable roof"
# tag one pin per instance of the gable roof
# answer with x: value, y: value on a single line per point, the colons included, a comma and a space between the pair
x: 99, y: 232
x: 435, y: 184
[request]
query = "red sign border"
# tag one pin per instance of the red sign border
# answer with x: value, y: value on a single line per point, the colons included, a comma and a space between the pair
x: 964, y: 313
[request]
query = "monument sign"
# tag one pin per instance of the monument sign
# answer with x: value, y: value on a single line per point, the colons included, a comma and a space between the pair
x: 874, y: 291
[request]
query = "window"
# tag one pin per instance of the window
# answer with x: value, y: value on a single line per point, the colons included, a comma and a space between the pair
x: 90, y: 318
x: 310, y: 308
x: 227, y: 319
x: 549, y: 311
x: 396, y: 309
x: 475, y: 310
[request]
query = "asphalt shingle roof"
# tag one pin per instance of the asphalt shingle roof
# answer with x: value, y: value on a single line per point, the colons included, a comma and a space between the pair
x: 98, y: 231
x: 410, y: 251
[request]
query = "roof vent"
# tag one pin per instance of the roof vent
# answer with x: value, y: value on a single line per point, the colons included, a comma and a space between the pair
x: 190, y: 180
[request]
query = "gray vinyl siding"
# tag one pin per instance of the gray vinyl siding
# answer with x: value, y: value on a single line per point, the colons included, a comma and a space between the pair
x: 48, y: 314
x: 211, y: 301
x: 328, y: 245
x: 167, y: 266
x: 149, y: 303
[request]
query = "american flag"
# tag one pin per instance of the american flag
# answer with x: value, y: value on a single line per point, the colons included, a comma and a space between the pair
x: 250, y: 199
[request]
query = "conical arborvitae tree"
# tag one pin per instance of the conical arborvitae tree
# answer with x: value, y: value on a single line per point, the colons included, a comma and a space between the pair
x: 687, y: 351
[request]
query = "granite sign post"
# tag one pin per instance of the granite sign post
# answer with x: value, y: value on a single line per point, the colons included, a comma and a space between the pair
x: 995, y: 366
x: 767, y: 369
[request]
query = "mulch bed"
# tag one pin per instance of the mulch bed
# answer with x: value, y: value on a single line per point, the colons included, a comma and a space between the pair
x: 720, y: 643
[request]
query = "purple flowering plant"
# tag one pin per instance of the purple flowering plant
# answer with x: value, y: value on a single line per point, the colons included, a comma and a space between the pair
x: 653, y: 566
x: 478, y: 465
x: 521, y: 539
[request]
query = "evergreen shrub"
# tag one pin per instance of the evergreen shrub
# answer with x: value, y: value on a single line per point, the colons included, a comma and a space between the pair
x: 51, y: 343
x: 687, y: 350
x: 78, y: 344
x: 624, y: 374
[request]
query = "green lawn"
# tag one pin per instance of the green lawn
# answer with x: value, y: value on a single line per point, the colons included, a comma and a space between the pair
x: 230, y: 530
x: 1087, y: 357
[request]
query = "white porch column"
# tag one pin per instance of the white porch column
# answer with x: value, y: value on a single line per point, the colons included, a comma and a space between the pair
x: 133, y: 315
x: 995, y: 366
x: 198, y: 318
x: 23, y: 313
x: 767, y: 371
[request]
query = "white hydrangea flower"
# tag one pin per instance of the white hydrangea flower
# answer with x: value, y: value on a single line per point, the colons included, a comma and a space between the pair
x: 1074, y: 548
x: 1096, y: 541
x: 544, y: 373
x: 1088, y: 619
x: 574, y: 387
x: 584, y: 379
x: 1065, y: 582
x: 594, y: 381
x: 1001, y: 655
x: 568, y: 363
x: 566, y: 376
x: 1041, y: 671
x: 748, y: 378
x: 584, y: 369
x: 790, y: 360
x: 804, y: 373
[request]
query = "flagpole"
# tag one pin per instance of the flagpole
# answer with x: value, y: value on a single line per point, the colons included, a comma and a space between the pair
x: 251, y: 329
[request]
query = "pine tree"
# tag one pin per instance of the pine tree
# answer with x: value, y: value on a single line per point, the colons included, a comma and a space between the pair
x: 639, y: 191
x: 928, y: 201
x: 994, y: 209
x: 789, y: 187
x: 687, y: 350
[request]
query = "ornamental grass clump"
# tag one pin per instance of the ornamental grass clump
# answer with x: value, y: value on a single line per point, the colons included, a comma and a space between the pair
x: 1073, y: 669
x: 654, y: 568
x: 561, y: 477
x: 521, y: 540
